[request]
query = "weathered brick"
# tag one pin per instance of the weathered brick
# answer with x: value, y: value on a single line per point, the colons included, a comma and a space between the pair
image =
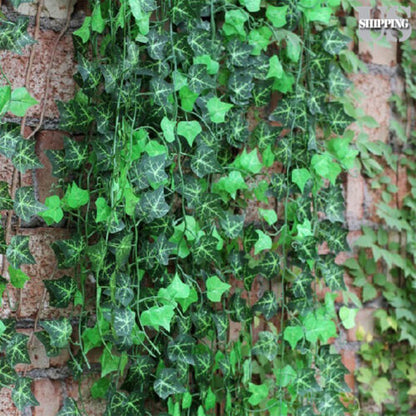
x: 55, y: 9
x: 49, y: 395
x: 354, y: 200
x: 61, y: 85
x: 46, y: 140
x: 349, y: 360
x: 364, y: 321
x: 7, y: 408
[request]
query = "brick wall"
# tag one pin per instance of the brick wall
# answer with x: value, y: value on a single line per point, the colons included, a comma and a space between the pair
x: 52, y: 382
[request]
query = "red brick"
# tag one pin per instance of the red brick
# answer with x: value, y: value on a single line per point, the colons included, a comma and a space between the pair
x: 7, y: 407
x: 61, y: 85
x: 348, y: 359
x: 354, y: 199
x: 46, y: 140
x: 49, y: 395
x: 364, y: 324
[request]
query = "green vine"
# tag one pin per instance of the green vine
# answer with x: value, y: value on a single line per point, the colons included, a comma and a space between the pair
x: 179, y: 145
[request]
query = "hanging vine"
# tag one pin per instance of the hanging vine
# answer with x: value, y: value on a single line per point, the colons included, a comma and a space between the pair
x: 179, y: 144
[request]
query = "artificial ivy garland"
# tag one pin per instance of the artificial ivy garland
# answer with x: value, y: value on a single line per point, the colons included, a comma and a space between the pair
x: 179, y: 144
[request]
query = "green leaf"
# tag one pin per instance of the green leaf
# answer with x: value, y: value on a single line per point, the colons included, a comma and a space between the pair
x: 180, y: 349
x: 264, y: 242
x: 18, y: 251
x: 111, y: 362
x: 84, y: 31
x: 276, y: 15
x: 17, y: 277
x: 97, y: 21
x: 54, y: 213
x: 293, y: 334
x: 334, y: 41
x: 14, y: 35
x: 267, y: 346
x: 61, y: 291
x: 75, y: 197
x: 231, y: 184
x: 325, y: 166
x: 22, y: 395
x: 380, y: 390
x: 123, y: 322
x: 259, y: 39
x: 216, y: 288
x: 25, y: 203
x: 21, y: 101
x: 217, y: 109
x: 211, y: 65
x: 17, y: 351
x: 189, y: 130
x: 7, y: 374
x: 167, y: 383
x: 251, y: 5
x: 158, y: 316
x: 248, y: 162
x: 300, y: 177
x: 275, y: 69
x: 103, y: 210
x: 6, y: 202
x: 269, y: 215
x: 59, y: 330
x: 318, y: 326
x: 205, y: 161
x: 285, y: 376
x: 347, y: 316
x: 258, y: 393
x: 234, y: 23
x: 232, y: 225
x: 5, y: 96
x: 100, y: 387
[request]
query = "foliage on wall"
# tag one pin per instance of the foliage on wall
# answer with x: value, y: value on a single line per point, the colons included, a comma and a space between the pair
x: 187, y: 194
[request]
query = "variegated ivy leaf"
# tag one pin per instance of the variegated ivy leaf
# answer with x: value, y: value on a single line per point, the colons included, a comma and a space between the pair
x: 221, y: 322
x: 333, y: 41
x: 75, y: 153
x: 17, y: 3
x: 240, y: 311
x: 25, y: 157
x: 16, y: 350
x: 180, y: 349
x: 334, y: 235
x: 45, y: 339
x: 124, y: 293
x: 57, y: 159
x: 22, y: 395
x: 123, y: 322
x: 306, y: 382
x: 8, y: 332
x: 269, y: 265
x: 18, y: 251
x: 182, y: 11
x: 6, y: 202
x: 68, y: 251
x: 157, y: 45
x: 199, y: 79
x: 14, y: 35
x: 237, y: 129
x: 209, y: 206
x: 111, y: 74
x: 61, y: 291
x: 140, y: 371
x: 240, y: 85
x: 266, y: 345
x: 336, y: 117
x: 205, y: 250
x: 239, y: 53
x: 123, y: 249
x: 200, y: 42
x: 90, y: 75
x: 332, y: 273
x: 167, y: 384
x: 232, y: 225
x: 69, y: 408
x: 204, y: 161
x: 302, y: 285
x: 59, y: 330
x: 153, y: 168
x: 306, y: 411
x: 328, y: 403
x: 152, y: 205
x: 267, y: 305
x: 75, y: 115
x: 161, y: 90
x: 338, y: 82
x: 9, y: 138
x: 203, y: 362
x: 25, y: 203
x: 319, y: 65
x: 331, y: 202
x: 7, y: 374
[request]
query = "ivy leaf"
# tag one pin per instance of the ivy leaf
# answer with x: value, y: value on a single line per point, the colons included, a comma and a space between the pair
x: 21, y: 101
x: 205, y: 250
x: 331, y: 202
x: 111, y: 362
x: 168, y: 129
x: 75, y: 153
x: 25, y: 157
x: 347, y: 316
x: 69, y: 408
x: 300, y: 177
x: 337, y: 81
x: 75, y: 197
x: 59, y: 330
x: 276, y: 15
x: 232, y: 225
x: 61, y: 291
x: 180, y: 349
x: 6, y: 202
x: 231, y: 183
x: 204, y: 161
x: 7, y: 374
x: 18, y: 252
x: 259, y: 39
x: 269, y: 215
x: 275, y: 68
x: 221, y: 322
x: 266, y: 345
x: 16, y: 350
x: 54, y: 213
x: 217, y: 109
x: 324, y: 166
x: 189, y: 130
x: 336, y: 117
x: 22, y: 395
x: 318, y: 326
x: 264, y: 242
x: 293, y: 334
x: 123, y: 322
x: 216, y: 288
x: 25, y: 203
x: 258, y: 393
x: 152, y: 205
x: 333, y: 41
x: 17, y: 277
x: 68, y: 251
x: 285, y: 375
x: 248, y: 162
x: 332, y: 272
x: 167, y: 383
x: 5, y: 96
x: 158, y: 316
x: 234, y: 23
x: 84, y: 31
x: 267, y: 305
